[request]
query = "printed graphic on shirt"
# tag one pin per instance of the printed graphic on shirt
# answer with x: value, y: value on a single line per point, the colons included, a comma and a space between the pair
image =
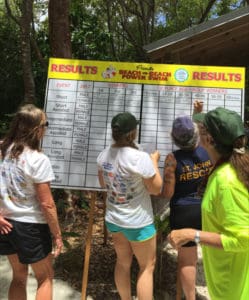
x: 195, y: 171
x: 120, y: 189
x: 14, y: 182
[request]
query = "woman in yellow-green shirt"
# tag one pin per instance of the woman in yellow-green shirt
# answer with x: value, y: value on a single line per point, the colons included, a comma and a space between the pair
x: 225, y: 207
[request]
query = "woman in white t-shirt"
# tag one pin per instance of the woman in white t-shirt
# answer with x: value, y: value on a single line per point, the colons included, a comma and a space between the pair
x: 28, y: 212
x: 130, y: 176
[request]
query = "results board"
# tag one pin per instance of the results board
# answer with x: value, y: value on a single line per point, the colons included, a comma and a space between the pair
x: 82, y: 97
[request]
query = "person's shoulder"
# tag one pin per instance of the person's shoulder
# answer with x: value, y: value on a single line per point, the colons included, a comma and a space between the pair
x: 134, y: 152
x: 133, y: 156
x: 33, y: 152
x: 35, y: 156
x: 226, y: 175
x: 103, y: 153
x: 177, y: 152
x: 199, y: 150
x: 182, y: 154
x: 225, y: 178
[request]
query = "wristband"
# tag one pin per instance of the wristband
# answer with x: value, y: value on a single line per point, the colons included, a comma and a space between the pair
x: 197, y: 237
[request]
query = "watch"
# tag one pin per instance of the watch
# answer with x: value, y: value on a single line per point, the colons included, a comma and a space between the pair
x: 197, y: 237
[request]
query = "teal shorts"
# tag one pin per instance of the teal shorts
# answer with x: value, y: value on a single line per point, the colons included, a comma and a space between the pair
x: 133, y: 234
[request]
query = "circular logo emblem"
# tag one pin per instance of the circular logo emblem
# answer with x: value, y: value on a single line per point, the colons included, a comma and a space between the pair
x: 181, y: 75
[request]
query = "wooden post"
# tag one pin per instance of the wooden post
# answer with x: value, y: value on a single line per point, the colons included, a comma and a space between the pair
x: 105, y: 230
x: 88, y: 245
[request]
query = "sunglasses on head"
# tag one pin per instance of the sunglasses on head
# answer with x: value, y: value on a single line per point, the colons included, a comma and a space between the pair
x: 45, y: 124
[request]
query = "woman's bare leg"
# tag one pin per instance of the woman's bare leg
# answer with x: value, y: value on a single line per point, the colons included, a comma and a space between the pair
x: 44, y: 275
x: 123, y: 265
x: 145, y: 253
x: 17, y: 289
x: 187, y: 260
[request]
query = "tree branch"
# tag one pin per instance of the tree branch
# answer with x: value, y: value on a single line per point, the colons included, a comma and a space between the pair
x: 207, y: 10
x: 10, y: 14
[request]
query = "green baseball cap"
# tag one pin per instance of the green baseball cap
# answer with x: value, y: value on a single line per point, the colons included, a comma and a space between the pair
x: 224, y: 125
x: 124, y: 122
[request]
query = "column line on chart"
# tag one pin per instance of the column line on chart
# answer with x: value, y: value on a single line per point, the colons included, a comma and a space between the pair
x: 157, y: 121
x: 71, y: 147
x: 107, y: 113
x: 141, y: 114
x: 90, y: 124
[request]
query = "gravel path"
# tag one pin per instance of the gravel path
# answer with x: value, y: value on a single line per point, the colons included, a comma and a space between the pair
x: 62, y: 291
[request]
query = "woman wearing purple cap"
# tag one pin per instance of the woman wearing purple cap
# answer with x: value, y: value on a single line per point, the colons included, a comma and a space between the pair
x: 225, y: 207
x: 130, y: 176
x: 184, y: 170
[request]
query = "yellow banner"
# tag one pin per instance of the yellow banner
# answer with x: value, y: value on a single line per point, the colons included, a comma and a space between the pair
x: 145, y: 73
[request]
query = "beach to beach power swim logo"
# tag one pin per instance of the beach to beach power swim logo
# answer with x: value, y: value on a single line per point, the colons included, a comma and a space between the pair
x: 181, y: 75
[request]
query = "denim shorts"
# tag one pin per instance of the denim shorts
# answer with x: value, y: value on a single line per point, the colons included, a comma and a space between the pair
x: 31, y: 242
x: 133, y: 234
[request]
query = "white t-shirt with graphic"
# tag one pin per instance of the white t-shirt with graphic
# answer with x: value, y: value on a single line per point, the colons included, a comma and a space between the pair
x: 18, y: 199
x: 128, y: 201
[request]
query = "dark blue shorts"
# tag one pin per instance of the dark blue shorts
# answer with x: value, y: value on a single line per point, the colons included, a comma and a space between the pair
x: 30, y: 241
x: 185, y: 216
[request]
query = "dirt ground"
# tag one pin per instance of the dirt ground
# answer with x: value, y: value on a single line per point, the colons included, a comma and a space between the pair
x: 69, y: 266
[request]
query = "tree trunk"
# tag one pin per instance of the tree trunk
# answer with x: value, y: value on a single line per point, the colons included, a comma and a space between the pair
x: 25, y: 23
x: 59, y: 29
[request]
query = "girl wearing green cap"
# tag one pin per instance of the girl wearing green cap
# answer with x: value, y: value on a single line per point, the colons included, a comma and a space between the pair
x: 225, y: 207
x: 130, y: 176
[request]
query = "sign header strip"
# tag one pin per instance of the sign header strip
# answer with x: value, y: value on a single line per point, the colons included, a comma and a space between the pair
x: 145, y: 73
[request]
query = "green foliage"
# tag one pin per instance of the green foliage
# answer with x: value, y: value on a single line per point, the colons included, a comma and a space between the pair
x: 90, y: 37
x: 59, y: 196
x: 175, y: 16
x: 162, y: 226
x: 11, y: 80
x: 11, y: 74
x: 225, y: 6
x: 4, y: 124
x: 98, y: 33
